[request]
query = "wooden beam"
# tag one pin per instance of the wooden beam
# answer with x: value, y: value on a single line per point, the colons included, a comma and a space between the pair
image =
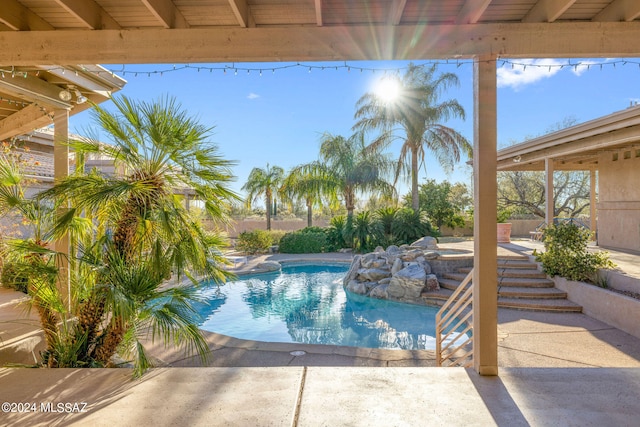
x: 318, y: 4
x: 17, y: 17
x: 397, y: 9
x: 383, y: 42
x: 547, y: 10
x: 166, y: 13
x: 31, y: 89
x: 90, y: 13
x: 472, y: 11
x: 241, y: 11
x: 24, y: 121
x: 619, y: 10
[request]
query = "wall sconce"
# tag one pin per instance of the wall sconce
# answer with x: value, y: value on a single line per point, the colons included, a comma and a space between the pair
x: 517, y: 159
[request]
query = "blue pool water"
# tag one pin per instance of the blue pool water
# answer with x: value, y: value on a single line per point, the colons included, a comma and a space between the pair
x: 307, y: 304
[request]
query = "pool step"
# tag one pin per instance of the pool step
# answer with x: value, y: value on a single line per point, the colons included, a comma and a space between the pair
x: 438, y: 298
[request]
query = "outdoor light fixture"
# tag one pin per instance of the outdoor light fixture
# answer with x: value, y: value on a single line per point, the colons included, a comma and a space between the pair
x: 64, y: 95
x: 517, y: 159
x: 80, y: 98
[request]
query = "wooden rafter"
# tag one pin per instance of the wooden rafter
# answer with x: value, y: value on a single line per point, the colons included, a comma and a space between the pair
x: 17, y: 17
x: 89, y: 13
x: 32, y: 88
x: 472, y: 11
x: 318, y: 5
x: 619, y: 10
x: 241, y: 12
x: 547, y: 10
x: 24, y: 121
x: 166, y: 12
x: 397, y: 9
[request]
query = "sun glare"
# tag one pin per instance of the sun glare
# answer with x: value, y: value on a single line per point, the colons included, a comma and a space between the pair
x: 387, y: 89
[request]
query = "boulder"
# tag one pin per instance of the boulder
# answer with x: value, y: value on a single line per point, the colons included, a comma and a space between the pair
x: 379, y: 263
x: 432, y: 283
x: 372, y: 274
x: 384, y: 281
x: 380, y: 292
x: 353, y: 270
x: 379, y: 249
x: 356, y: 287
x: 426, y: 242
x: 412, y: 255
x: 368, y: 259
x: 397, y: 266
x: 407, y: 283
x: 393, y: 249
x: 431, y: 255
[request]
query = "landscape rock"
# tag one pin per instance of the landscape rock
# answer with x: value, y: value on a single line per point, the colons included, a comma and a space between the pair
x: 432, y: 283
x: 357, y: 287
x: 269, y: 266
x: 407, y: 283
x: 372, y: 274
x: 380, y: 292
x: 397, y: 266
x: 426, y: 242
x: 353, y: 270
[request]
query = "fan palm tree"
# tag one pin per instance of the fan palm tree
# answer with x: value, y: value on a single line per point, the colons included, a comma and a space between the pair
x: 418, y: 114
x: 264, y: 182
x: 349, y: 166
x: 157, y: 150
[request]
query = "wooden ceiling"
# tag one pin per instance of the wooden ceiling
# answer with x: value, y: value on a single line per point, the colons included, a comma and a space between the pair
x: 36, y: 35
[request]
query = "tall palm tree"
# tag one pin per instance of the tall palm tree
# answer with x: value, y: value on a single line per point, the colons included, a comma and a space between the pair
x: 264, y: 182
x: 306, y: 185
x: 418, y: 114
x: 157, y: 150
x: 348, y: 166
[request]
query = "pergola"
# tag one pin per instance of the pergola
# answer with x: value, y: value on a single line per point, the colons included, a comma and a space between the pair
x: 36, y: 33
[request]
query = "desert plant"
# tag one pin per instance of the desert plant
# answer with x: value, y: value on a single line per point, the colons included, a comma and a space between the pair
x: 566, y: 253
x: 409, y: 226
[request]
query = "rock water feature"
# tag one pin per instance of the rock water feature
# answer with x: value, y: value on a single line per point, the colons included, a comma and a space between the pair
x: 397, y: 273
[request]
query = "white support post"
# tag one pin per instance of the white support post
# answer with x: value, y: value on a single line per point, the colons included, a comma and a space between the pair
x: 485, y: 281
x: 61, y: 171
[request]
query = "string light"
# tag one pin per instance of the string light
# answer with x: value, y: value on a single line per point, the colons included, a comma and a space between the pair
x: 309, y: 67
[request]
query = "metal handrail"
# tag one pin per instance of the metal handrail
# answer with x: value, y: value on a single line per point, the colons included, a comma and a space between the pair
x: 451, y: 311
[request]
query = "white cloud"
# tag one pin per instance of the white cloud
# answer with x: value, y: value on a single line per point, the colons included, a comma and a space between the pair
x: 253, y: 96
x: 521, y: 72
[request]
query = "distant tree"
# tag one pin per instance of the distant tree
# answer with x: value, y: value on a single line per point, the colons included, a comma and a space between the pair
x: 418, y: 113
x: 524, y: 192
x: 304, y: 184
x: 435, y: 201
x: 264, y: 182
x: 348, y: 166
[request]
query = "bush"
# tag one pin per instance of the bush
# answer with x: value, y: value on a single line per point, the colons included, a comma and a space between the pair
x: 336, y: 235
x: 306, y: 241
x: 409, y: 226
x: 12, y: 278
x: 566, y: 253
x: 253, y: 242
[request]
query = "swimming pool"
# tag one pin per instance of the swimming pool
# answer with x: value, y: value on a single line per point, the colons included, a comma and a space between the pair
x: 307, y: 304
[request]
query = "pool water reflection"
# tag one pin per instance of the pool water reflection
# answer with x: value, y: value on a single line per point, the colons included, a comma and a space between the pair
x: 307, y: 304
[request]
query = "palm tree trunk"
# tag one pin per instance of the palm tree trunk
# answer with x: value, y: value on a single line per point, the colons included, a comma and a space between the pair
x: 268, y: 211
x: 415, y: 201
x: 112, y: 338
x: 309, y: 213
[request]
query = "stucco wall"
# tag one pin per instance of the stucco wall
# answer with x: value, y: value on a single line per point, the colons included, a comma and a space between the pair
x: 619, y: 200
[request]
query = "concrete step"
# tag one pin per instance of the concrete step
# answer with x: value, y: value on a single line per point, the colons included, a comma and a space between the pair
x: 520, y: 264
x: 513, y: 291
x: 528, y: 282
x: 438, y: 298
x: 512, y: 272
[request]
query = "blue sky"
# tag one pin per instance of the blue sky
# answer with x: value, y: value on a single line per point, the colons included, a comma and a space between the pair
x: 276, y: 117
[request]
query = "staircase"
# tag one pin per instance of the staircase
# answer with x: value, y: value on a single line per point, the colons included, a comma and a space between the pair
x: 520, y: 286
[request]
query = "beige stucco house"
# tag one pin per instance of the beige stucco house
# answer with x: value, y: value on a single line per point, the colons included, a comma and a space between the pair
x: 608, y: 147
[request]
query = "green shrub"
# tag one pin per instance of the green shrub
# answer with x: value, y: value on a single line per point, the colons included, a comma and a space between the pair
x: 12, y: 278
x: 253, y: 242
x: 306, y: 241
x: 409, y: 226
x: 335, y: 234
x: 566, y: 253
x: 367, y: 232
x: 276, y: 236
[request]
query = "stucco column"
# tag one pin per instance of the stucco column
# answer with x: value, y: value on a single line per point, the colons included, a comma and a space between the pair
x: 593, y: 202
x: 548, y: 191
x: 61, y: 171
x: 485, y: 195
